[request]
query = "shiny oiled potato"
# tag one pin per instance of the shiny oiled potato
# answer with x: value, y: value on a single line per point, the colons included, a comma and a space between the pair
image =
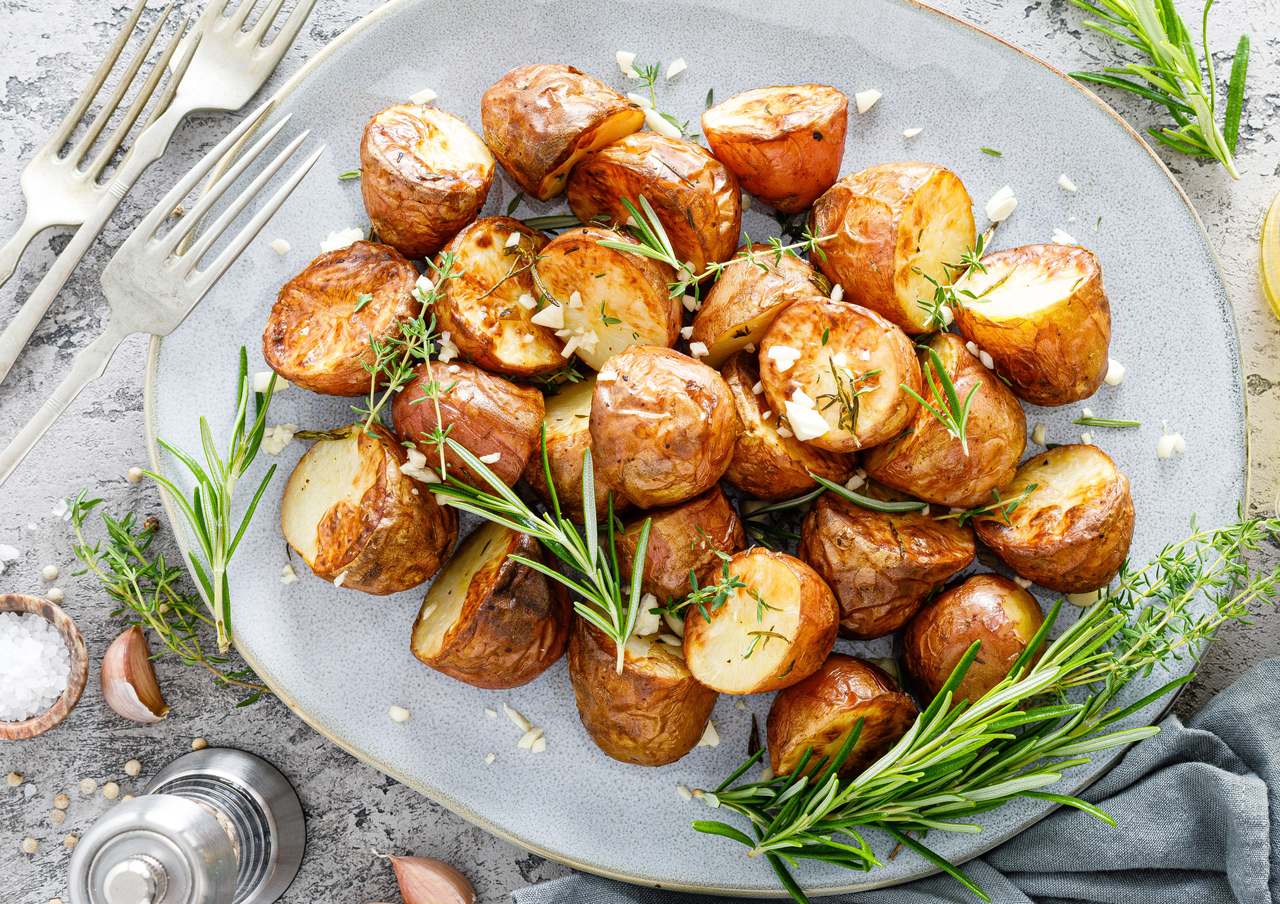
x: 568, y: 435
x: 818, y: 713
x: 748, y: 294
x: 893, y: 225
x: 836, y: 370
x: 881, y: 565
x: 360, y: 523
x: 542, y: 119
x: 316, y: 338
x: 772, y: 633
x: 608, y: 300
x: 650, y: 714
x: 684, y: 539
x: 424, y: 174
x: 784, y: 142
x: 930, y: 463
x: 494, y: 419
x: 986, y: 608
x: 696, y: 198
x: 766, y: 464
x: 487, y: 307
x: 1041, y: 313
x: 488, y: 620
x: 663, y: 425
x: 1071, y: 533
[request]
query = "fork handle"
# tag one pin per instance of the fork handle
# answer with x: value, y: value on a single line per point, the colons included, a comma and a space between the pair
x: 11, y: 251
x: 89, y: 365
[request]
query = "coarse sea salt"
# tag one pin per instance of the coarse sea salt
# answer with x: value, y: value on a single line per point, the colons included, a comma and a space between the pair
x: 34, y: 664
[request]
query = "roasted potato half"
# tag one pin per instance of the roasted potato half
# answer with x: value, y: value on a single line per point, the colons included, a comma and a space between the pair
x: 490, y: 621
x: 784, y: 142
x: 1071, y: 533
x: 663, y: 425
x: 818, y: 713
x: 986, y: 608
x: 772, y: 633
x: 1041, y: 313
x: 360, y: 523
x: 696, y: 198
x: 487, y: 308
x: 315, y: 336
x: 542, y: 119
x: 608, y: 300
x: 881, y: 565
x: 835, y: 371
x: 568, y: 420
x: 927, y: 462
x: 494, y: 419
x: 424, y: 175
x: 766, y: 464
x: 893, y: 226
x: 682, y: 539
x: 650, y: 714
x: 749, y: 293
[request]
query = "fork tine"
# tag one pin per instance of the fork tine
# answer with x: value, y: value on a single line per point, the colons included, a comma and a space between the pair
x: 291, y: 26
x: 241, y: 13
x: 268, y: 16
x: 178, y: 71
x: 82, y: 104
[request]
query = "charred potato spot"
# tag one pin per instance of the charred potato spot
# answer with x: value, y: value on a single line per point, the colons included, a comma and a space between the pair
x: 848, y: 363
x: 496, y: 420
x: 986, y: 608
x: 894, y: 226
x: 771, y: 633
x: 651, y: 714
x: 1042, y: 314
x: 488, y: 306
x: 929, y: 463
x: 1072, y: 532
x: 784, y: 143
x: 540, y: 120
x: 881, y: 566
x: 424, y: 174
x: 766, y: 464
x: 490, y: 621
x: 315, y: 336
x: 821, y: 711
x: 696, y: 198
x: 568, y: 422
x: 357, y: 521
x: 664, y: 427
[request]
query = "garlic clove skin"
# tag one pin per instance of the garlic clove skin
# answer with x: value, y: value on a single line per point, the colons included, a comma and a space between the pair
x: 129, y: 681
x: 423, y: 880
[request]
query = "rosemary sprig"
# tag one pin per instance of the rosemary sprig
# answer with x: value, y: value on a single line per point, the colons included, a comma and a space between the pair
x: 1002, y: 508
x: 1091, y: 421
x: 866, y: 502
x: 350, y: 175
x: 770, y: 524
x: 950, y: 412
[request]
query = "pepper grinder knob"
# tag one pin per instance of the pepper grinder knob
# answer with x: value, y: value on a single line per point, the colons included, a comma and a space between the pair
x: 138, y: 880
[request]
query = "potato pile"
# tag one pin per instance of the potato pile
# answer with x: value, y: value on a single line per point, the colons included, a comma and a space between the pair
x: 720, y: 366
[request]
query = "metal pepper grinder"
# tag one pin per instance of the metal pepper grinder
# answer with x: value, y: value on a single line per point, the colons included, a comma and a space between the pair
x: 215, y: 826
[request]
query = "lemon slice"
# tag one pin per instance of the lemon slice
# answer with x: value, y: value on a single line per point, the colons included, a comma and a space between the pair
x: 1269, y: 255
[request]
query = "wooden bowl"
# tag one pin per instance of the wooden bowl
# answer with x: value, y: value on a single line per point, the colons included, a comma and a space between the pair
x: 78, y: 675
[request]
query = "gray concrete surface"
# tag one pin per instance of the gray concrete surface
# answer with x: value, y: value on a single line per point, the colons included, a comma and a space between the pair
x: 47, y: 50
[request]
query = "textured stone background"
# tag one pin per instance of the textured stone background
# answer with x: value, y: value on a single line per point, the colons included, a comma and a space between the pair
x: 48, y: 49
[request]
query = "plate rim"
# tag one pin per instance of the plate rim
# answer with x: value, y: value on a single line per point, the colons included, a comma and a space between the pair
x: 443, y: 798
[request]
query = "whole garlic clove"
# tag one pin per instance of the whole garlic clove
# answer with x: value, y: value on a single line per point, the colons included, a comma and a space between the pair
x: 129, y: 681
x: 423, y: 880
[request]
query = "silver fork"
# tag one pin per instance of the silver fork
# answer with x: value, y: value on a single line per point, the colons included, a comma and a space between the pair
x: 152, y: 283
x: 220, y: 68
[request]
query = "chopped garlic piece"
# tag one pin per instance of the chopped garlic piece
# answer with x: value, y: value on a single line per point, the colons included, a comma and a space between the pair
x: 757, y: 388
x: 710, y: 737
x: 675, y: 67
x: 639, y: 99
x: 513, y: 240
x: 280, y: 247
x: 1084, y: 599
x: 415, y: 466
x: 972, y: 347
x: 517, y: 718
x: 1065, y: 183
x: 698, y: 349
x: 1022, y: 582
x: 425, y: 285
x: 784, y: 357
x: 686, y: 332
x: 1086, y: 438
x: 660, y: 124
x: 837, y: 292
x: 491, y: 712
x: 691, y: 303
x: 448, y: 351
x: 340, y: 579
x: 288, y: 575
x: 341, y: 238
x: 986, y: 360
x: 1170, y: 444
x: 1086, y: 411
x: 491, y: 459
x: 1001, y: 204
x: 489, y: 758
x: 911, y: 133
x: 855, y: 481
x: 425, y: 96
x: 552, y: 317
x: 626, y: 62
x: 526, y: 301
x: 1038, y: 434
x: 784, y: 431
x: 274, y: 439
x: 1063, y: 238
x: 867, y: 99
x: 948, y: 316
x: 539, y: 744
x: 528, y: 738
x: 606, y: 376
x: 398, y: 714
x: 648, y: 621
x: 746, y: 201
x: 684, y: 792
x: 806, y: 422
x: 1115, y: 373
x: 575, y: 299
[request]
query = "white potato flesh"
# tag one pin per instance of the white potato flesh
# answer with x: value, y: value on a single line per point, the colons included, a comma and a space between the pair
x: 332, y: 471
x: 1015, y: 288
x: 568, y: 412
x: 1062, y: 481
x: 449, y: 146
x: 935, y: 231
x: 448, y: 593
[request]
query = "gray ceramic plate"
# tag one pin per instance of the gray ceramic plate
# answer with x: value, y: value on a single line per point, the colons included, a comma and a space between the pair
x: 339, y: 659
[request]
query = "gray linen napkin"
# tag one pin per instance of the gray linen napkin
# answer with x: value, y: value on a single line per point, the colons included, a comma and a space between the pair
x: 1198, y: 814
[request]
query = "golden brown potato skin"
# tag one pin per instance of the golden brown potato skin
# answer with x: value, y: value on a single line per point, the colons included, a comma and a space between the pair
x: 538, y: 119
x: 485, y: 414
x: 664, y: 428
x: 820, y: 711
x: 928, y: 463
x: 417, y: 204
x: 651, y: 714
x: 880, y: 565
x: 314, y: 336
x: 682, y: 539
x: 514, y: 622
x: 766, y: 464
x: 1072, y: 532
x: 1051, y: 356
x: 784, y: 143
x: 568, y: 434
x: 696, y: 198
x: 986, y: 608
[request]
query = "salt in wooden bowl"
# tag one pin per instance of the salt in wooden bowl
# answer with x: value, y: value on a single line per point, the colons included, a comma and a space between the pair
x: 76, y: 677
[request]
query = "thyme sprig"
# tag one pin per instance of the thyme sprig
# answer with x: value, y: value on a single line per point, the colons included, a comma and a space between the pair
x: 847, y: 390
x: 946, y: 406
x: 1000, y: 507
x: 705, y: 598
